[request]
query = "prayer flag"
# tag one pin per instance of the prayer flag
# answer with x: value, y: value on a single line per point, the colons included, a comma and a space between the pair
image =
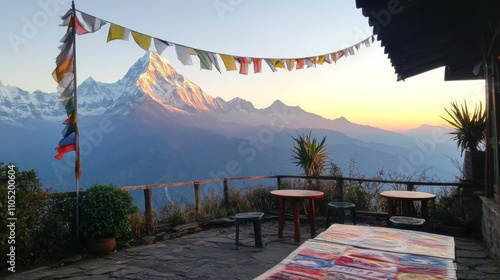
x: 289, y: 64
x: 300, y: 63
x: 228, y: 62
x: 351, y: 50
x: 271, y: 64
x: 257, y: 65
x: 192, y: 51
x: 160, y: 45
x: 66, y: 18
x: 70, y: 128
x: 66, y: 80
x: 243, y: 65
x: 69, y: 105
x: 335, y: 57
x: 93, y: 24
x: 64, y: 149
x: 68, y: 140
x: 278, y: 63
x: 328, y: 59
x: 67, y: 93
x: 321, y: 59
x: 117, y: 32
x: 357, y: 46
x: 65, y: 66
x: 205, y: 62
x: 214, y: 61
x: 80, y: 28
x: 71, y: 119
x: 183, y: 55
x: 144, y: 41
x: 309, y: 62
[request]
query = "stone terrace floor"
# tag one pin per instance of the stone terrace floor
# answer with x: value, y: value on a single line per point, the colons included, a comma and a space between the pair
x: 212, y: 254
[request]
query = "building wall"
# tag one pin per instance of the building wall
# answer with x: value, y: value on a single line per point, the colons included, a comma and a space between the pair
x: 490, y: 226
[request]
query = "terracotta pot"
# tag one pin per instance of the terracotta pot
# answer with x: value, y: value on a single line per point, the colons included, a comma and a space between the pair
x: 101, y: 246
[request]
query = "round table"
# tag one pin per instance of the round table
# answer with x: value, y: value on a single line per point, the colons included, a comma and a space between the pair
x: 406, y: 197
x: 296, y: 196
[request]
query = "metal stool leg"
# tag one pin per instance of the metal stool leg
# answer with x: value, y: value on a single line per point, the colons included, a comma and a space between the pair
x: 258, y: 233
x: 237, y: 223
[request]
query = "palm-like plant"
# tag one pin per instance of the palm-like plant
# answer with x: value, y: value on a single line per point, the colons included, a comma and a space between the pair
x: 469, y: 128
x: 310, y: 154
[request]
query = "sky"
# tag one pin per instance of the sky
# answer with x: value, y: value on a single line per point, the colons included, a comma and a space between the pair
x: 361, y: 88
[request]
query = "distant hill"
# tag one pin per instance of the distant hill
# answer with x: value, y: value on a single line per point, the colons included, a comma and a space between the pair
x: 156, y: 126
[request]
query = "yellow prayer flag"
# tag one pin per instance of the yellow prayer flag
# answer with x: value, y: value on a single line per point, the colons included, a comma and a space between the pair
x: 289, y: 64
x: 321, y: 59
x: 277, y: 63
x: 144, y: 41
x: 228, y: 62
x: 115, y: 32
x: 334, y: 56
x: 65, y: 66
x: 192, y: 51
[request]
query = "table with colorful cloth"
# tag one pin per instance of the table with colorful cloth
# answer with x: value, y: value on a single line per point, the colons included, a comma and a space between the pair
x: 363, y: 252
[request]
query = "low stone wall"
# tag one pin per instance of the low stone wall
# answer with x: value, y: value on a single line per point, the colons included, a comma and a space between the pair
x: 490, y: 227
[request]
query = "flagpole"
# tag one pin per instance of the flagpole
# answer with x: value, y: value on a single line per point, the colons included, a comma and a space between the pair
x: 77, y: 133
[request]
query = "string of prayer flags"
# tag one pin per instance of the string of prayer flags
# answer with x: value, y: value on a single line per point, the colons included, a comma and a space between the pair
x: 89, y: 24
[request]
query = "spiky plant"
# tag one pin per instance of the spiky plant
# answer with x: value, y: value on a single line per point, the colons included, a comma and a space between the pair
x: 309, y: 154
x: 469, y: 128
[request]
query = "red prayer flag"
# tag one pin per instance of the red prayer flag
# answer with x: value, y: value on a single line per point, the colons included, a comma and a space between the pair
x: 64, y: 149
x: 257, y: 65
x: 243, y: 65
x: 300, y: 63
x: 80, y: 29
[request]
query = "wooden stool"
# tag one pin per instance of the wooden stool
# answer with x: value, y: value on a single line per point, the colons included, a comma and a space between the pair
x: 404, y: 222
x: 255, y: 218
x: 340, y: 207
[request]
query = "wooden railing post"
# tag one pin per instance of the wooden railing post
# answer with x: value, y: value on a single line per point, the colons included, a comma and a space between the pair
x: 226, y: 194
x: 148, y: 205
x: 279, y: 182
x: 410, y: 187
x: 197, y: 199
x: 340, y: 188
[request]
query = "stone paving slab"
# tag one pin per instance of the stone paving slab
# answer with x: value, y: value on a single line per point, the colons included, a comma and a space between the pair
x: 212, y: 254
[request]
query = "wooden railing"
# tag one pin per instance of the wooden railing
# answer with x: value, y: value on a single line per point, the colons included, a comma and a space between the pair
x: 410, y: 186
x: 148, y: 199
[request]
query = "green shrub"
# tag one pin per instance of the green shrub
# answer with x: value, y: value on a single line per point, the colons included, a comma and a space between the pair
x: 44, y: 229
x: 106, y: 211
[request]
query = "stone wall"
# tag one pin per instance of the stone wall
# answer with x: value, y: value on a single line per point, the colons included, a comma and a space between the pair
x: 490, y: 227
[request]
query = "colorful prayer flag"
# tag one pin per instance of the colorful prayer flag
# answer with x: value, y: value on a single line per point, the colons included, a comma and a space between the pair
x: 63, y: 150
x: 228, y: 62
x: 243, y: 65
x: 271, y: 64
x: 144, y: 41
x: 160, y: 45
x: 257, y: 65
x: 183, y: 55
x: 205, y: 62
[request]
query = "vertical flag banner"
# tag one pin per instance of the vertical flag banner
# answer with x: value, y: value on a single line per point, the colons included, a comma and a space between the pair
x: 65, y: 76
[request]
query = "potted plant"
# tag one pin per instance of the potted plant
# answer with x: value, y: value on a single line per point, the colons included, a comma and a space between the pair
x: 470, y: 133
x: 105, y: 216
